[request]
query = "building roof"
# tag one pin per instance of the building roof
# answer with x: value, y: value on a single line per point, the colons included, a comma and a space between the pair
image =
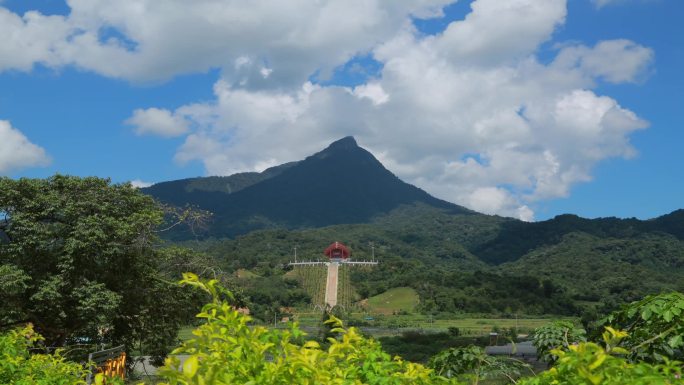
x: 337, y: 250
x: 520, y: 349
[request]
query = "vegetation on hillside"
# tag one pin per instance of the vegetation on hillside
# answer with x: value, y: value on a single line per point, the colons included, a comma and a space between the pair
x: 428, y: 249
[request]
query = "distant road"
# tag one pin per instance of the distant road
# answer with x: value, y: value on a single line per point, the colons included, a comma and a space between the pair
x: 331, y: 284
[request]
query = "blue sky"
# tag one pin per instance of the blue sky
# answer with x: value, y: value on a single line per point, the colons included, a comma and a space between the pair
x: 216, y: 100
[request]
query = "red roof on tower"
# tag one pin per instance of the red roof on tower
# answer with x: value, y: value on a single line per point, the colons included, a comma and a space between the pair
x: 337, y: 250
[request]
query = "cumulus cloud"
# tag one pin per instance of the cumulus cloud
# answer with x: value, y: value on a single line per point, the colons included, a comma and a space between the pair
x: 616, y: 61
x: 157, y: 121
x: 17, y: 152
x: 498, y: 30
x: 469, y: 114
x: 137, y: 183
x: 279, y: 43
x: 492, y: 129
x: 30, y: 39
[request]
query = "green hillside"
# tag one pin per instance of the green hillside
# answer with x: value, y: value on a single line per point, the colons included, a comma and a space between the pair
x: 608, y: 269
x: 394, y: 300
x: 456, y: 260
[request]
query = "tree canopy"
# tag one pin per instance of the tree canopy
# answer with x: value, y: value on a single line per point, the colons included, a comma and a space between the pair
x: 81, y: 261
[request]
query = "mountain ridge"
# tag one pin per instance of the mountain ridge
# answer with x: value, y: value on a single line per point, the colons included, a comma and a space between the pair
x: 342, y: 183
x: 440, y: 249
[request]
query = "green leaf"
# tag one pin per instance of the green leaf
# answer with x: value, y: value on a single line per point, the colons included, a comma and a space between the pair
x: 675, y: 341
x: 646, y: 314
x: 190, y: 366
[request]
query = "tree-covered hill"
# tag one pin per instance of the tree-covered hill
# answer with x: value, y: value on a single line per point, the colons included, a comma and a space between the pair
x: 516, y: 238
x: 345, y: 194
x: 600, y: 269
x: 435, y: 252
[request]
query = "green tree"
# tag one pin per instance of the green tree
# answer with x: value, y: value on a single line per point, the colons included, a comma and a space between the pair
x: 80, y: 260
x: 472, y: 364
x: 556, y: 335
x: 590, y: 363
x: 655, y: 327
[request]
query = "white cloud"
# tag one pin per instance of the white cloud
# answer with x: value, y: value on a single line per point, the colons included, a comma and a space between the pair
x: 498, y: 30
x: 469, y: 114
x: 149, y: 40
x: 157, y: 121
x: 616, y: 61
x: 373, y: 92
x: 137, y: 183
x: 492, y: 129
x: 29, y: 39
x: 17, y: 152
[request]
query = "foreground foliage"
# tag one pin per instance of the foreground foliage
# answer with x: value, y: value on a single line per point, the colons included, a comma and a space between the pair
x: 589, y: 363
x: 472, y: 364
x: 226, y: 350
x: 557, y: 335
x: 19, y: 367
x: 655, y: 327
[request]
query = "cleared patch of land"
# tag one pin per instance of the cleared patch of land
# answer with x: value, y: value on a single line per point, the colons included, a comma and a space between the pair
x: 394, y: 300
x: 245, y: 274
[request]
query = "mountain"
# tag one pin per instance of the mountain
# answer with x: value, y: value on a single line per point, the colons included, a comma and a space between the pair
x: 456, y: 259
x: 344, y: 183
x: 516, y: 238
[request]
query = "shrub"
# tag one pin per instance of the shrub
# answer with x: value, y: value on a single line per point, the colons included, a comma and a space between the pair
x: 557, y: 335
x: 19, y: 367
x: 589, y: 363
x: 655, y: 325
x: 226, y: 350
x: 473, y: 364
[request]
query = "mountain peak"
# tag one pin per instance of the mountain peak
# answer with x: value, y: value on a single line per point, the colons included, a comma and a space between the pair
x: 342, y: 184
x: 348, y: 142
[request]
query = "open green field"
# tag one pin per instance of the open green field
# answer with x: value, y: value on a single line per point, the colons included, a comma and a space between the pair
x: 393, y: 300
x: 245, y: 274
x: 185, y: 333
x: 380, y: 324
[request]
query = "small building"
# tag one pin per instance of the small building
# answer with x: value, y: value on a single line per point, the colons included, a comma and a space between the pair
x: 337, y: 252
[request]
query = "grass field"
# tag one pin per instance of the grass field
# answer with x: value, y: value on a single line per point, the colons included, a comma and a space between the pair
x: 381, y: 324
x: 245, y: 274
x: 185, y: 333
x: 393, y: 300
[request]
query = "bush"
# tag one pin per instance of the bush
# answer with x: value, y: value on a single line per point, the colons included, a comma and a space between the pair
x: 592, y: 364
x: 557, y: 335
x: 473, y: 364
x: 19, y: 367
x: 656, y: 327
x: 226, y: 350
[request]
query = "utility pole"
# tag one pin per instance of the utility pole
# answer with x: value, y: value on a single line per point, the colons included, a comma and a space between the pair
x: 295, y: 249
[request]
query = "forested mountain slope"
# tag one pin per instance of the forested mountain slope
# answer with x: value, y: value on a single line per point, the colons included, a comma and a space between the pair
x: 344, y: 194
x: 341, y: 184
